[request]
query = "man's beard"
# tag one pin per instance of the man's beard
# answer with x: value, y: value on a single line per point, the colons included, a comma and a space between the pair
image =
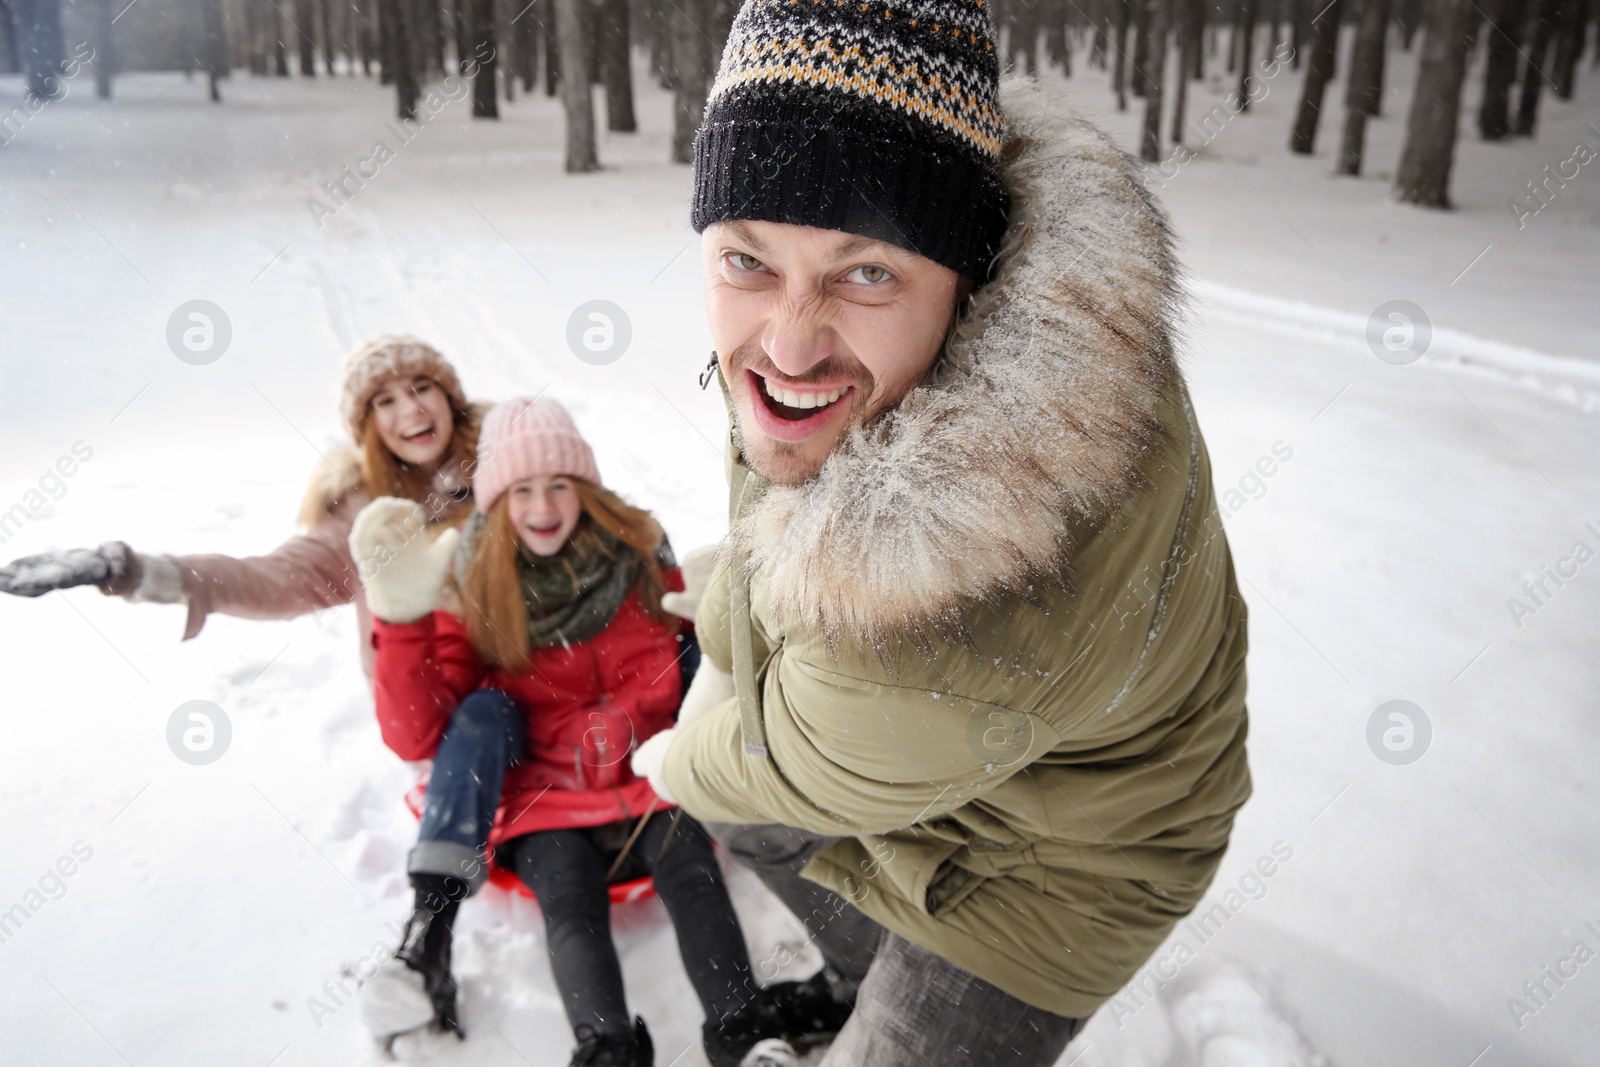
x: 786, y: 462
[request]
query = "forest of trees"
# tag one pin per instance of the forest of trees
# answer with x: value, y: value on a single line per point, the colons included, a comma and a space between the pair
x: 1146, y: 49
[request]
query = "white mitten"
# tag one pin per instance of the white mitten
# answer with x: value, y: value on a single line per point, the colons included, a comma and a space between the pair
x: 402, y: 570
x: 696, y: 569
x: 711, y: 686
x: 650, y: 757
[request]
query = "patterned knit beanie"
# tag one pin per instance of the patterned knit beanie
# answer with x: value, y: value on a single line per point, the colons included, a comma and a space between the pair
x: 880, y: 119
x: 383, y: 358
x: 526, y: 438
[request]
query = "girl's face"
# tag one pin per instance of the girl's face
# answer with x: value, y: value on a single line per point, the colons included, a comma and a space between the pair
x: 543, y: 511
x: 413, y: 419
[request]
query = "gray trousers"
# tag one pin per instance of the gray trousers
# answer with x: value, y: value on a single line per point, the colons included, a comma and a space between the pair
x: 917, y: 1009
x: 913, y: 1008
x: 846, y: 938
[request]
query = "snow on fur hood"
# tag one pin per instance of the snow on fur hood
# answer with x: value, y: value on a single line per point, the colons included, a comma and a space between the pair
x: 1034, y: 420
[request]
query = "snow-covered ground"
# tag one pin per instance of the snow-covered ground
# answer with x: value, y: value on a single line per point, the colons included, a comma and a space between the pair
x: 1369, y: 913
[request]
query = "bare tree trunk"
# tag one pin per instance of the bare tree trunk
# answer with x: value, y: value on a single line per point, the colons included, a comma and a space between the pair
x: 42, y: 49
x: 1155, y: 24
x: 325, y: 9
x: 435, y: 36
x: 1057, y: 45
x: 1022, y: 43
x: 1119, y: 76
x: 1297, y: 31
x: 1247, y: 34
x: 1500, y: 69
x: 417, y: 33
x: 1186, y: 33
x: 1360, y: 97
x: 1409, y: 16
x: 396, y: 14
x: 305, y: 21
x: 551, y: 44
x: 461, y: 28
x: 280, y: 44
x: 215, y: 40
x: 1324, y: 53
x: 104, y: 50
x: 575, y: 88
x: 368, y: 17
x: 482, y: 37
x: 1138, y: 80
x: 1570, y: 27
x: 1371, y: 102
x: 1233, y: 37
x: 614, y: 56
x: 255, y: 38
x: 506, y: 37
x: 1534, y: 70
x: 660, y: 42
x: 590, y: 10
x: 691, y: 76
x: 387, y: 64
x: 347, y: 32
x: 526, y: 32
x: 1424, y: 174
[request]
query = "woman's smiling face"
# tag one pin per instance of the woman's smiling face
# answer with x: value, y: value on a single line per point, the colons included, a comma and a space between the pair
x: 543, y: 511
x: 414, y: 419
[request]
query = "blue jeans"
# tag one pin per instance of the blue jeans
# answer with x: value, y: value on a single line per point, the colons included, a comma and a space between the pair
x: 486, y: 735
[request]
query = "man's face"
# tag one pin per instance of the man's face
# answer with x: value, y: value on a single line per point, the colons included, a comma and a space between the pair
x: 817, y: 331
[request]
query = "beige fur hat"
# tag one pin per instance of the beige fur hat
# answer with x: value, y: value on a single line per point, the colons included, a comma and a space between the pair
x: 383, y: 358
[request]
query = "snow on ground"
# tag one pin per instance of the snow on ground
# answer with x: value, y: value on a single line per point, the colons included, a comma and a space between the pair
x: 1382, y: 518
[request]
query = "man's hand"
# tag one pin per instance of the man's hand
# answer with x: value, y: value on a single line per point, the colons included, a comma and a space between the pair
x: 650, y: 757
x: 113, y: 567
x: 696, y: 569
x: 402, y: 571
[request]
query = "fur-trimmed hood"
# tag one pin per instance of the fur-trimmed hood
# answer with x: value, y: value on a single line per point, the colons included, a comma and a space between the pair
x: 1034, y: 422
x: 330, y: 483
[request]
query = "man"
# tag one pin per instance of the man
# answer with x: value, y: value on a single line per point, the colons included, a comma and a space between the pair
x: 976, y: 628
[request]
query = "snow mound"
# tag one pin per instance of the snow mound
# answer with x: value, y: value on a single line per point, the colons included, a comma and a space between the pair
x: 1217, y: 1017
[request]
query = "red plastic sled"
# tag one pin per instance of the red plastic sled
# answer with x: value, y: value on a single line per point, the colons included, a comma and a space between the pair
x: 621, y: 892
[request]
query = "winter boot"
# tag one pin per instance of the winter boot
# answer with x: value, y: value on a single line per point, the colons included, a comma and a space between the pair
x: 744, y: 1037
x: 613, y: 1048
x: 415, y: 989
x: 808, y: 1011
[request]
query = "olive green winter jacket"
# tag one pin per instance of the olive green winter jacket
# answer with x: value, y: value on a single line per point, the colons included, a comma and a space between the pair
x: 996, y: 647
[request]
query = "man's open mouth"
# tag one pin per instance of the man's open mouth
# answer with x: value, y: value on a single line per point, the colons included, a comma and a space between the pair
x: 795, y: 405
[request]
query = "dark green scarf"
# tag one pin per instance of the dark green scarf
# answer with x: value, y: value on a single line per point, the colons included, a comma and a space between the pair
x: 573, y: 595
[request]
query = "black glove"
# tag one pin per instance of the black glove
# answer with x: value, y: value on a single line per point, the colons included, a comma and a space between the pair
x: 114, y: 567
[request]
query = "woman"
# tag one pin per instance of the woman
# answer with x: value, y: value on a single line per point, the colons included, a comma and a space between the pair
x: 416, y: 437
x: 556, y: 661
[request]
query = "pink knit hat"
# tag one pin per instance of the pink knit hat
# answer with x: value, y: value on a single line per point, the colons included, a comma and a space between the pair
x: 525, y: 438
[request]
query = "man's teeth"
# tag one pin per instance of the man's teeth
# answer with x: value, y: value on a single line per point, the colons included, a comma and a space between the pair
x: 799, y: 400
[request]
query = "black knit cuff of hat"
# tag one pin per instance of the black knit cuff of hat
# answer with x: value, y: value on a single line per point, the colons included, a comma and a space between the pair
x: 858, y: 168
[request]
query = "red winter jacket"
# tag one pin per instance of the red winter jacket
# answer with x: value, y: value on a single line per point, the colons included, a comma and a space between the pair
x: 587, y: 707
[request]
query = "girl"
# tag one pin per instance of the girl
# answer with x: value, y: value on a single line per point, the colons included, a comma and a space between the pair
x: 556, y: 662
x: 416, y: 437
